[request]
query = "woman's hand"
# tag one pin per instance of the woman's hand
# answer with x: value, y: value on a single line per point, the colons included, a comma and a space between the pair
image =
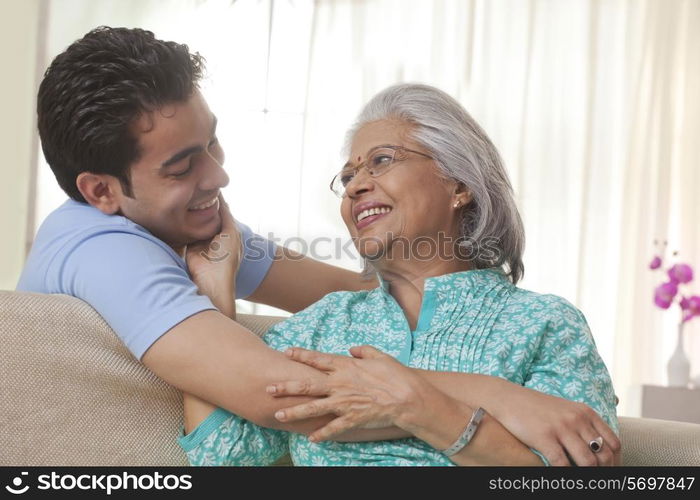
x: 558, y: 428
x: 369, y: 390
x: 213, y: 263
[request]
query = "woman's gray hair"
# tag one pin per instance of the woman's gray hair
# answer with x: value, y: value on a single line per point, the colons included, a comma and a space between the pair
x: 491, y: 224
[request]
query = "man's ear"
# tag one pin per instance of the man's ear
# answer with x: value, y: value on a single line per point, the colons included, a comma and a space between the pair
x: 102, y: 191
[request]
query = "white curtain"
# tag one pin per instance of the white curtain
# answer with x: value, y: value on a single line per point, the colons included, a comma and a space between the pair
x: 594, y: 106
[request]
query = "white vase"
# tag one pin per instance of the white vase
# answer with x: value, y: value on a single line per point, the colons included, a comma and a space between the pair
x: 678, y: 367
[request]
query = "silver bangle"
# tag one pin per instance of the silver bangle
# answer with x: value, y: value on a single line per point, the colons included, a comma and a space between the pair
x: 467, y: 433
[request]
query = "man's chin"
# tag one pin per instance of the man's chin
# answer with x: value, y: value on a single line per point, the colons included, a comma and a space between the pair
x: 203, y: 236
x: 207, y: 231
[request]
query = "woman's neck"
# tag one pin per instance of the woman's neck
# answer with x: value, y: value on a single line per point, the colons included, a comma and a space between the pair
x: 406, y: 281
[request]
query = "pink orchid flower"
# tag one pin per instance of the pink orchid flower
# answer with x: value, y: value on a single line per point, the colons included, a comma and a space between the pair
x: 694, y: 304
x: 690, y: 307
x: 664, y: 294
x: 684, y: 303
x: 681, y: 273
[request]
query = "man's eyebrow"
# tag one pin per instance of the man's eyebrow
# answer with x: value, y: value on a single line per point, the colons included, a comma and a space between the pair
x: 181, y: 155
x: 188, y: 151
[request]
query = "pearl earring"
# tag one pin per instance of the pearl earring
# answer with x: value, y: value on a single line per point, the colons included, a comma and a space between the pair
x: 457, y: 204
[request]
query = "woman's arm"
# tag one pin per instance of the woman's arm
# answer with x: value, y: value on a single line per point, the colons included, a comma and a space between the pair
x: 383, y: 392
x: 546, y: 423
x: 550, y: 424
x: 444, y: 419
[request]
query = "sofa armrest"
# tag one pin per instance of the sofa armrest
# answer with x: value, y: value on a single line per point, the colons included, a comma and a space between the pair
x: 652, y: 442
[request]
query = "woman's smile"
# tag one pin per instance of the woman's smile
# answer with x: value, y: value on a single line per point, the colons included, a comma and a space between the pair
x: 368, y: 212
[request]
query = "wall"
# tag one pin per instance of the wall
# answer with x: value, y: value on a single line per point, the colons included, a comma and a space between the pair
x: 19, y: 28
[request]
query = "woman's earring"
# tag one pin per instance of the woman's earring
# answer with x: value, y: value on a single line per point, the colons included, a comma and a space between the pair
x: 457, y: 204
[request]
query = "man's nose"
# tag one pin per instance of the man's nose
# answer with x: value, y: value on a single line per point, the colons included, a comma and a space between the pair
x: 215, y: 176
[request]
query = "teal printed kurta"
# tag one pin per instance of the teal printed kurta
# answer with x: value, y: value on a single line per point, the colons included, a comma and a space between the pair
x: 471, y: 321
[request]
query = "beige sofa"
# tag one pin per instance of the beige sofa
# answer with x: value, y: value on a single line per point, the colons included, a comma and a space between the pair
x: 71, y: 394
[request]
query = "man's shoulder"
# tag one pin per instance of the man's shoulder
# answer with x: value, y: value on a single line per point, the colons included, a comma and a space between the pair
x: 74, y: 226
x: 74, y: 216
x: 74, y: 223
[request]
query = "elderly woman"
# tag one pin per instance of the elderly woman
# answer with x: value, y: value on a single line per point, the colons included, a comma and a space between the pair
x: 428, y: 204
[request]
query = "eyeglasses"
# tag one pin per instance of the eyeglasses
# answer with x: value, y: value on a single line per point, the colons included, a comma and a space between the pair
x: 379, y: 161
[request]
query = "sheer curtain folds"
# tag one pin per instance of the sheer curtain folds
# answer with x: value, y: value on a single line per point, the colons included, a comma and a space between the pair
x: 594, y: 106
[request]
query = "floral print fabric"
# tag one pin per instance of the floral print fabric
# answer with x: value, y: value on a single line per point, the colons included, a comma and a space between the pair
x: 471, y: 321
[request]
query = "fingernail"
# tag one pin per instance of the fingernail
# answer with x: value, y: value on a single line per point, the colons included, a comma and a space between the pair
x: 271, y: 389
x: 313, y: 439
x: 279, y: 415
x: 289, y: 352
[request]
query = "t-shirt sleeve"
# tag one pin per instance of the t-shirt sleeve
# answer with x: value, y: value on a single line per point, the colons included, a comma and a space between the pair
x: 567, y: 363
x: 135, y: 285
x: 258, y: 255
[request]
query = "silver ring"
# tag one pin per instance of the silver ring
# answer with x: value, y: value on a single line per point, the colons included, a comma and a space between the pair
x: 596, y: 444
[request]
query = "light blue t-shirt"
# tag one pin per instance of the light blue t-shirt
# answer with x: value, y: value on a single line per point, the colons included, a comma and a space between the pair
x: 137, y: 283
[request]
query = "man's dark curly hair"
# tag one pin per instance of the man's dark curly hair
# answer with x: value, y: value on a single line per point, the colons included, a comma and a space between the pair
x: 93, y: 92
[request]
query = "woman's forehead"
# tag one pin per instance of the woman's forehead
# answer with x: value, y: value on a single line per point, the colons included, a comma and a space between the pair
x: 381, y: 132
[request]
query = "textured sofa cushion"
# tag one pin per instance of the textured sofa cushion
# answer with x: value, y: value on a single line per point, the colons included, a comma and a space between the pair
x: 72, y: 394
x: 652, y: 442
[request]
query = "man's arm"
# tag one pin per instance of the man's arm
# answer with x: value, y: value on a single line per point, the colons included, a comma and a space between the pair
x: 220, y: 361
x: 294, y: 281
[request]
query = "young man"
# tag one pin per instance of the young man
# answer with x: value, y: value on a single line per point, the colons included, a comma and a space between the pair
x: 133, y: 143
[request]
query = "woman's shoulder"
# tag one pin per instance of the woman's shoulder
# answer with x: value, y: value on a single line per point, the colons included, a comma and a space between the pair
x: 522, y: 297
x: 547, y: 309
x: 326, y: 320
x: 333, y: 304
x: 344, y: 299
